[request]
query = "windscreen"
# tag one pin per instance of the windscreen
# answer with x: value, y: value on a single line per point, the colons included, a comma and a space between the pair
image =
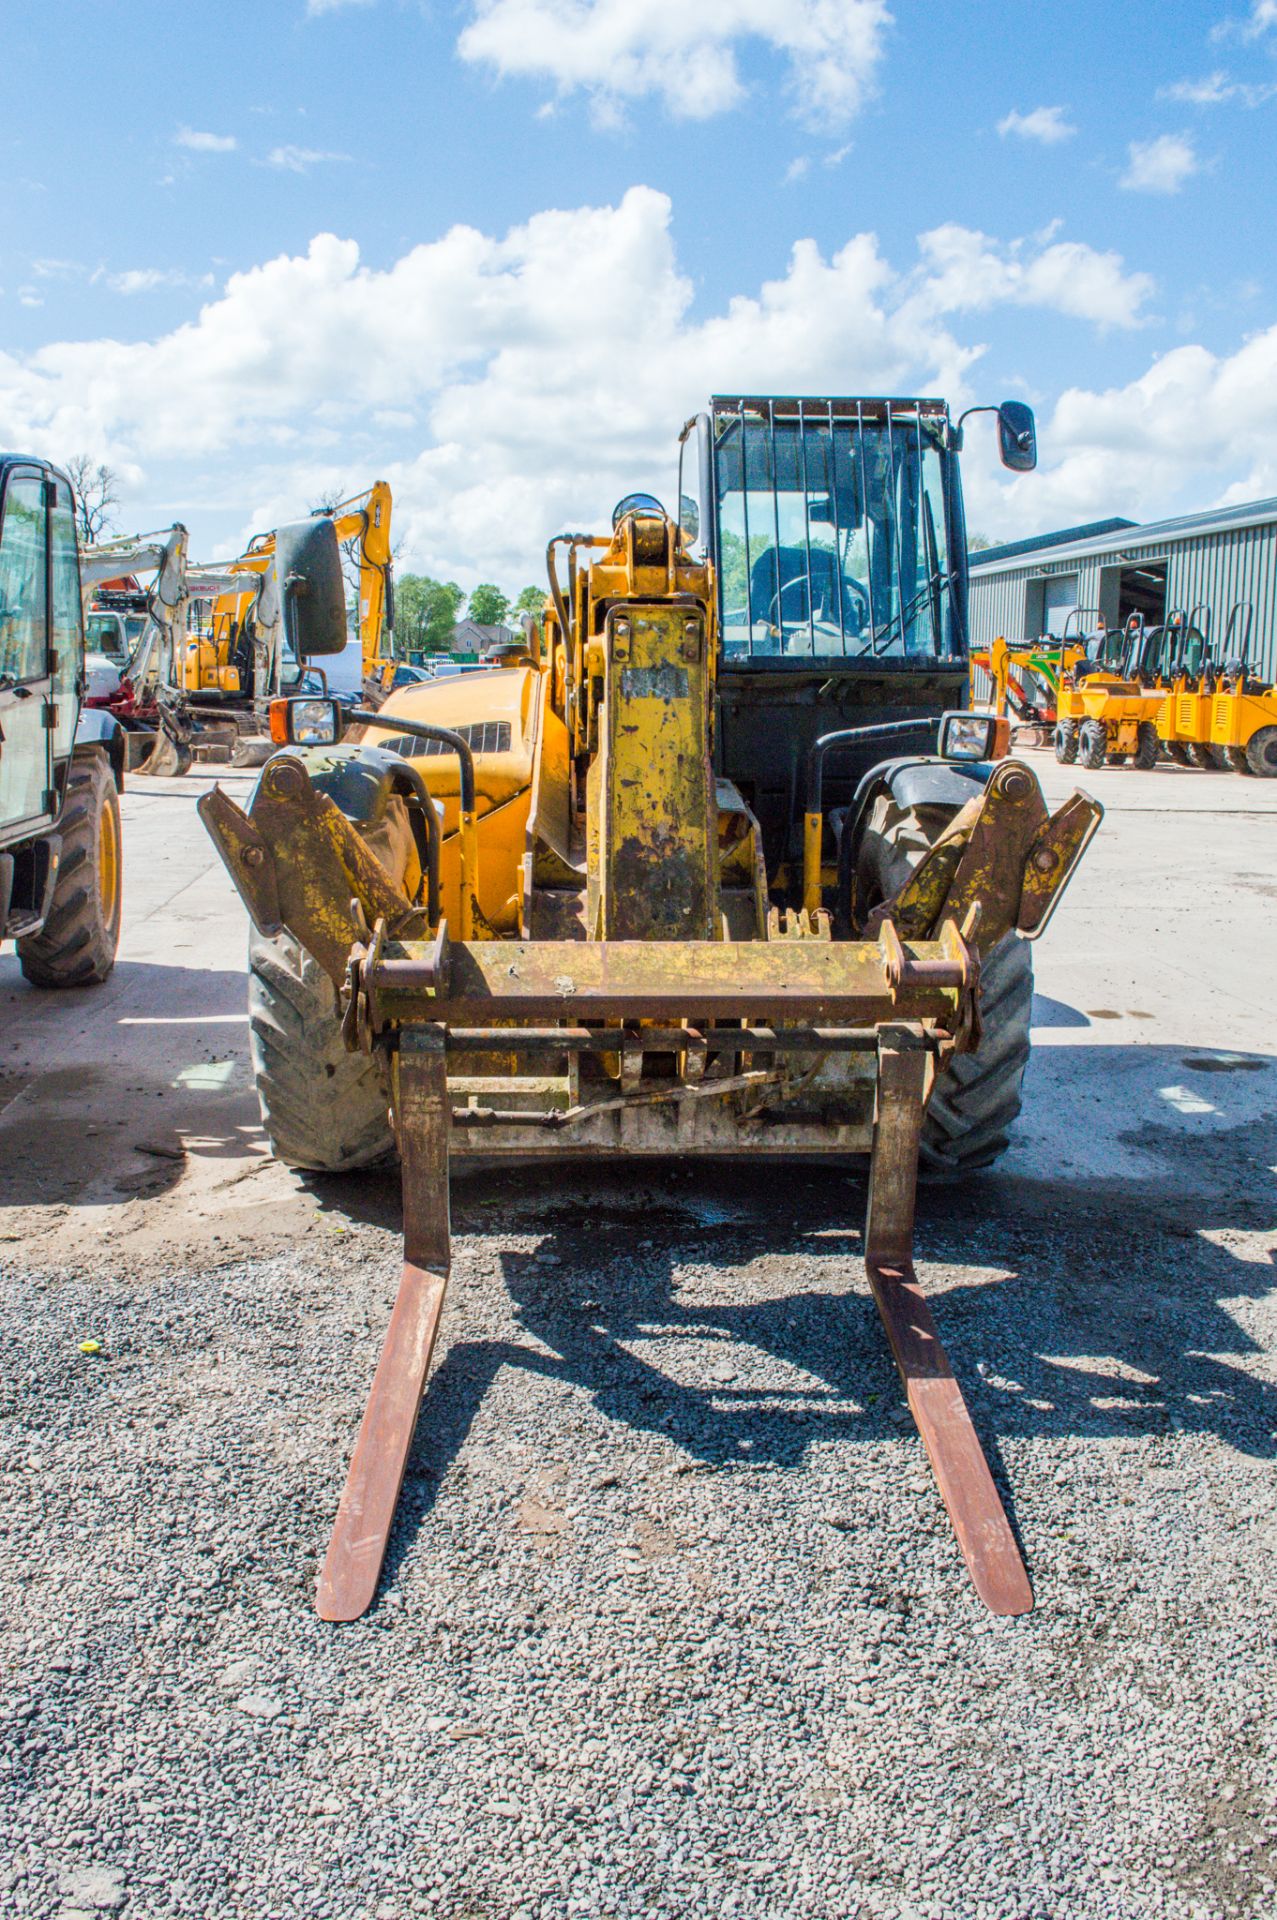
x: 833, y: 539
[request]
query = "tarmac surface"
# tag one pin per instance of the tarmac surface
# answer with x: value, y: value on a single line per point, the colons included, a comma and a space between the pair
x: 673, y: 1623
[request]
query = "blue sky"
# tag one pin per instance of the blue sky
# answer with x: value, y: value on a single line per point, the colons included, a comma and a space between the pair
x: 560, y: 223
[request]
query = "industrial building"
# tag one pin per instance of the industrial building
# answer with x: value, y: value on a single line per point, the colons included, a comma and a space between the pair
x: 1114, y: 568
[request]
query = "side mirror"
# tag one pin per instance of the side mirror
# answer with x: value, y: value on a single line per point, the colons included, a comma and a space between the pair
x: 311, y: 589
x: 1017, y: 436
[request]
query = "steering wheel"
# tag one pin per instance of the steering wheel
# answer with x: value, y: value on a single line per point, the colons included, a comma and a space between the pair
x: 856, y: 592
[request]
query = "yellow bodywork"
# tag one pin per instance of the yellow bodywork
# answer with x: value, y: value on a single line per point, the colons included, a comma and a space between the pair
x: 365, y: 518
x: 1236, y: 717
x: 1119, y: 705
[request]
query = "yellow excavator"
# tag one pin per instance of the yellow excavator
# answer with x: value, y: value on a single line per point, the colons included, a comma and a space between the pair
x: 718, y: 865
x: 241, y: 657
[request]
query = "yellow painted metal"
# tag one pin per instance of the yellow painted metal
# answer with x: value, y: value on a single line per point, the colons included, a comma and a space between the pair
x: 1236, y: 717
x: 108, y: 862
x: 813, y: 833
x: 654, y: 870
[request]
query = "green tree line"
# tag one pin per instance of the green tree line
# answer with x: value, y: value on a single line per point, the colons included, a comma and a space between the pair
x: 427, y: 610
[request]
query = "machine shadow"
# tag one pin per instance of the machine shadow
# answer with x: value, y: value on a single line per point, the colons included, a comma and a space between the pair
x: 1061, y: 1331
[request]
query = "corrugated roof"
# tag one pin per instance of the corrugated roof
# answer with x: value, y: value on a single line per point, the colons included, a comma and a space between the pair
x: 1009, y: 548
x: 1129, y: 534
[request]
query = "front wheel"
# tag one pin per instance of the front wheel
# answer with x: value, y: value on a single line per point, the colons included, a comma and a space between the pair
x: 1149, y: 749
x: 976, y: 1099
x: 1092, y: 744
x: 324, y: 1110
x: 77, y: 944
x: 1066, y: 743
x: 1177, y: 751
x: 1203, y: 757
x: 1261, y: 753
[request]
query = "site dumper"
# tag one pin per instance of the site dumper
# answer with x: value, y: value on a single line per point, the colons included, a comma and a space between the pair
x: 654, y: 889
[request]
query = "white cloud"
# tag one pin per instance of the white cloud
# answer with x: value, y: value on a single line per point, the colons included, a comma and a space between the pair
x: 198, y: 142
x: 1210, y: 420
x: 478, y: 373
x: 300, y: 159
x: 148, y: 279
x: 1046, y: 124
x: 1215, y: 89
x: 966, y: 271
x: 797, y: 170
x: 1161, y: 165
x: 684, y: 54
x: 317, y: 7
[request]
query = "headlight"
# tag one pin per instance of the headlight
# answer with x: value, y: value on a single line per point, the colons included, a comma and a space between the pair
x: 305, y: 722
x: 973, y: 736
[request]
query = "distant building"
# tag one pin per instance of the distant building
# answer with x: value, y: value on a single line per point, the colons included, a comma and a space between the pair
x: 468, y: 636
x: 1113, y: 568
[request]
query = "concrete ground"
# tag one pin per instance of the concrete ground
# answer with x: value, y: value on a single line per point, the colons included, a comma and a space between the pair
x: 673, y: 1622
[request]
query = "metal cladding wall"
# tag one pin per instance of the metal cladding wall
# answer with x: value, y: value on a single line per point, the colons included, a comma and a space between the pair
x: 1218, y: 567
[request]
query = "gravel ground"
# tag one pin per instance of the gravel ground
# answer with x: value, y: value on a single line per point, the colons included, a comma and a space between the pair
x: 673, y: 1623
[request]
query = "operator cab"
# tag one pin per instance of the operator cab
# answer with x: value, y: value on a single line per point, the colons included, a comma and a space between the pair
x: 839, y: 546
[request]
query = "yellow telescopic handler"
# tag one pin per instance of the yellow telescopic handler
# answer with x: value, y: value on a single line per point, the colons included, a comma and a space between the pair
x: 717, y: 864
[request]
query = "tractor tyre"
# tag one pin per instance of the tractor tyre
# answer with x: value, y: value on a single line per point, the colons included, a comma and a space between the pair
x: 1092, y: 744
x: 1115, y: 759
x: 77, y: 944
x: 1261, y: 753
x: 1237, y: 760
x: 1203, y: 757
x: 1066, y: 742
x: 1177, y: 751
x: 324, y: 1110
x: 1148, y: 752
x: 976, y: 1099
x: 1220, y: 756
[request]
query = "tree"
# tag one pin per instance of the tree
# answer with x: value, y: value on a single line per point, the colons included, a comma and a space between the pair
x: 425, y: 612
x: 488, y: 605
x: 979, y: 543
x: 95, y: 495
x: 531, y: 600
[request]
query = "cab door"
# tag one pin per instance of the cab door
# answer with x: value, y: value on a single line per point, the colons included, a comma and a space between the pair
x: 27, y: 800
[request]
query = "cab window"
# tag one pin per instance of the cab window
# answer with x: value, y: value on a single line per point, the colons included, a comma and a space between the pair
x: 23, y: 605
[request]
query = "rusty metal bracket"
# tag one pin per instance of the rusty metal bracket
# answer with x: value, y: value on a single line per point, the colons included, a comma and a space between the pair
x: 935, y: 1399
x: 352, y: 1566
x: 1053, y: 859
x: 956, y: 968
x: 246, y: 857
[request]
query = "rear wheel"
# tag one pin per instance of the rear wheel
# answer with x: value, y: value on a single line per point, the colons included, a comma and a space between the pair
x: 1092, y: 743
x: 1237, y: 759
x: 1177, y: 751
x: 77, y: 944
x: 1066, y: 742
x: 1149, y: 749
x: 1261, y: 753
x: 324, y: 1110
x: 1203, y: 757
x: 976, y: 1099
